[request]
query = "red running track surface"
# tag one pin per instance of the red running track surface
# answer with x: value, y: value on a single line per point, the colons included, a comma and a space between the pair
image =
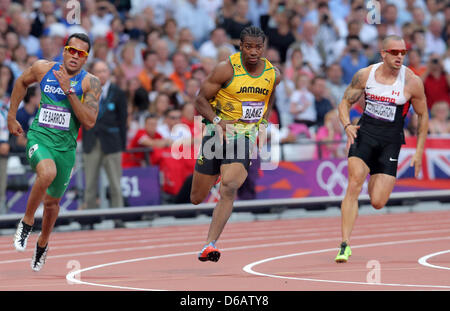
x: 408, y: 251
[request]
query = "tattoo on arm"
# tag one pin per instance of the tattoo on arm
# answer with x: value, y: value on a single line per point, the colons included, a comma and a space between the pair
x: 354, y: 91
x: 92, y: 96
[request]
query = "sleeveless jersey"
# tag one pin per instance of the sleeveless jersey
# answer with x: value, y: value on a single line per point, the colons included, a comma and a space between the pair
x: 245, y: 97
x: 55, y: 124
x: 386, y: 108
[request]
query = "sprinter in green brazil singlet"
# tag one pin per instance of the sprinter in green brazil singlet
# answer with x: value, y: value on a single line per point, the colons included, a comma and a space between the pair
x: 69, y: 99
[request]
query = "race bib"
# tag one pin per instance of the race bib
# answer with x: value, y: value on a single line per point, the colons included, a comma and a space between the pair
x: 54, y: 117
x: 385, y: 112
x: 252, y: 112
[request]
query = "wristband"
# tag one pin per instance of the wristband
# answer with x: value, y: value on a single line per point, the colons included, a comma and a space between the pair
x: 345, y: 127
x: 216, y: 120
x: 70, y: 91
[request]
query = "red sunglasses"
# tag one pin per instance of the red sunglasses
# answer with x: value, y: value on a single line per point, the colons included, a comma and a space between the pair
x: 396, y: 52
x: 73, y: 50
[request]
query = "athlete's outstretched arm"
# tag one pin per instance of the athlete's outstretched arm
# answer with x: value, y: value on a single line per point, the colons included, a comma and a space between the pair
x: 87, y: 110
x: 419, y: 103
x: 28, y: 77
x: 352, y: 94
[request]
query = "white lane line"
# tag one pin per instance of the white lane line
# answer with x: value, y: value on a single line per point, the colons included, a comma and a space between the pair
x: 270, y: 234
x: 424, y: 260
x: 250, y: 267
x: 199, y: 243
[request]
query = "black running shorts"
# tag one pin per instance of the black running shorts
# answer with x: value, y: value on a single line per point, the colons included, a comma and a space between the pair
x: 380, y: 156
x: 213, y: 154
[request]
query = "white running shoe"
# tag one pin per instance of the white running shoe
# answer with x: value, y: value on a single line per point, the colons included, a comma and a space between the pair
x: 21, y: 237
x: 39, y: 257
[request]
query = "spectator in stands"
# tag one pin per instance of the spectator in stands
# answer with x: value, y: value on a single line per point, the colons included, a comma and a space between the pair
x: 45, y: 11
x: 439, y: 122
x: 329, y: 136
x: 234, y: 25
x: 172, y: 128
x: 331, y: 33
x: 389, y: 14
x: 170, y: 35
x: 19, y: 60
x: 296, y: 64
x: 302, y: 102
x: 436, y: 81
x: 191, y: 90
x: 335, y: 84
x: 147, y: 137
x: 433, y: 40
x: 256, y: 9
x: 23, y: 27
x: 353, y: 59
x: 368, y: 33
x: 104, y: 13
x: 185, y: 45
x: 160, y: 8
x: 164, y: 64
x: 278, y: 29
x: 227, y: 10
x: 218, y: 39
x: 159, y: 106
x: 103, y: 144
x: 191, y: 15
x: 6, y: 80
x: 419, y: 18
x: 418, y: 44
x: 309, y: 47
x: 181, y: 72
x: 128, y: 69
x: 322, y: 103
x: 149, y: 71
x: 415, y: 62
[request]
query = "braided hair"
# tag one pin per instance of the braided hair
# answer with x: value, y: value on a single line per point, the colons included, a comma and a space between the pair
x: 252, y: 31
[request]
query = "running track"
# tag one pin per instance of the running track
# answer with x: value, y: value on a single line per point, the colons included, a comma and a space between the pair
x: 408, y: 251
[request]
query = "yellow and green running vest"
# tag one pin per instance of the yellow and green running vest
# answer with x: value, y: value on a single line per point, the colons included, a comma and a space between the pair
x: 245, y: 98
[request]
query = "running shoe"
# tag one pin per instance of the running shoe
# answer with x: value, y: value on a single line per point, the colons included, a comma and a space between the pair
x: 209, y: 252
x: 21, y: 237
x: 39, y: 256
x: 344, y: 253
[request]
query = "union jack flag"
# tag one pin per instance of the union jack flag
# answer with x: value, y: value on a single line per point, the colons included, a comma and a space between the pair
x: 435, y: 161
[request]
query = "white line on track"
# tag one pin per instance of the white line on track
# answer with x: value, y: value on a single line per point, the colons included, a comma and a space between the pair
x: 249, y: 268
x: 270, y: 234
x: 424, y: 260
x: 166, y: 245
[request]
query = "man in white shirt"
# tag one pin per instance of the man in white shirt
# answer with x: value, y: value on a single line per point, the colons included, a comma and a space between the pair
x: 218, y: 39
x: 191, y: 15
x: 433, y: 40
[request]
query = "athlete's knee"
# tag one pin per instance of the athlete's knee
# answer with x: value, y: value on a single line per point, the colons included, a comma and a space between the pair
x: 229, y: 188
x: 196, y: 198
x: 377, y: 203
x: 355, y: 186
x: 47, y: 176
x: 51, y: 205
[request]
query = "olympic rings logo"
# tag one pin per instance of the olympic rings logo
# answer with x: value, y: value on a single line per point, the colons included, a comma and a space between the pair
x: 336, y: 181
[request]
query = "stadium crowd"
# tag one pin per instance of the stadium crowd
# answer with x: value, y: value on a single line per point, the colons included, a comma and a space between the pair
x: 159, y: 52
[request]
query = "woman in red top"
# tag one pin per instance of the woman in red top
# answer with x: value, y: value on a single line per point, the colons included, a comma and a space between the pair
x: 147, y: 137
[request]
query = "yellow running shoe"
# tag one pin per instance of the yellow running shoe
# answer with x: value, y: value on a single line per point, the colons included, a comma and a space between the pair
x: 344, y: 253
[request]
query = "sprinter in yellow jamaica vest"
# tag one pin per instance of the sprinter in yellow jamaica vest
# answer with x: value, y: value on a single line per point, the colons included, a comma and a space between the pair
x: 234, y: 100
